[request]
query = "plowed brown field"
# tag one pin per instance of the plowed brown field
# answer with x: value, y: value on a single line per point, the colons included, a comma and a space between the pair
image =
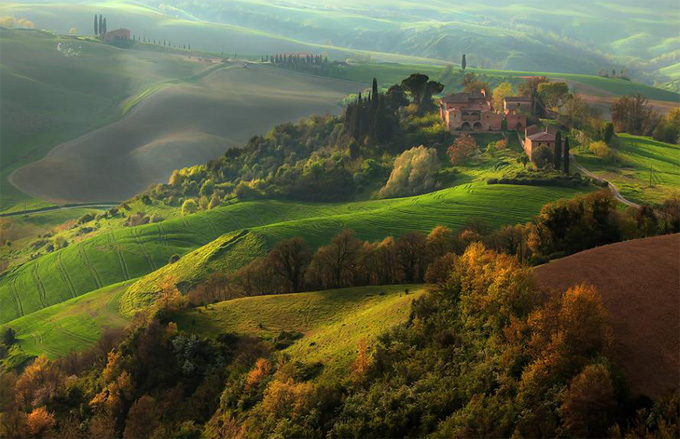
x: 639, y: 282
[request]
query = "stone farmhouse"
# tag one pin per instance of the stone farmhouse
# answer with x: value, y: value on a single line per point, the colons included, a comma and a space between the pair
x: 535, y: 137
x: 116, y: 35
x: 474, y: 112
x: 517, y: 105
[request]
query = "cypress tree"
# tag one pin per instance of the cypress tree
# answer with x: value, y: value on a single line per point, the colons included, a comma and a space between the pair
x: 104, y: 25
x: 101, y: 24
x: 463, y: 63
x: 557, y: 158
x: 96, y: 25
x: 374, y: 94
x: 566, y: 155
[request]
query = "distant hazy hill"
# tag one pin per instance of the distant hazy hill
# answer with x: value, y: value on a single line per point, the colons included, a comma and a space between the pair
x: 527, y: 35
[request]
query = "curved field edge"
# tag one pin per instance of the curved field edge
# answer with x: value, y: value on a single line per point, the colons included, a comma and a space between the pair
x: 332, y: 322
x: 73, y: 325
x: 125, y: 254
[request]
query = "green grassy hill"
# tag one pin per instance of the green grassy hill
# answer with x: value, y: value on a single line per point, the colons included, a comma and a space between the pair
x: 644, y: 170
x: 73, y: 325
x: 332, y: 322
x: 128, y: 253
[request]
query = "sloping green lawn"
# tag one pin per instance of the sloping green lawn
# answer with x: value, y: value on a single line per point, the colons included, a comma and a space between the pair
x: 645, y: 171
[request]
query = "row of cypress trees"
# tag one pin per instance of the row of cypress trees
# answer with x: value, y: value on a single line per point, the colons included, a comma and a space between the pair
x: 371, y: 117
x: 99, y: 25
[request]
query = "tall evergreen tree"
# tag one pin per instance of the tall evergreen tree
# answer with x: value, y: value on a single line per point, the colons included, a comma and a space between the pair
x: 463, y: 63
x: 96, y: 25
x: 557, y: 157
x: 104, y: 26
x: 566, y: 155
x: 374, y: 94
x: 101, y: 24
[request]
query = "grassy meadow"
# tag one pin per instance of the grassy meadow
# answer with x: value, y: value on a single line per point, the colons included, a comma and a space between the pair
x: 644, y: 170
x: 128, y: 253
x: 332, y: 322
x: 73, y: 325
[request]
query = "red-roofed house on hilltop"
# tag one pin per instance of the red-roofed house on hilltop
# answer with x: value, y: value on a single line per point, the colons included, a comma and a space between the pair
x: 116, y: 35
x: 474, y: 112
x: 535, y: 137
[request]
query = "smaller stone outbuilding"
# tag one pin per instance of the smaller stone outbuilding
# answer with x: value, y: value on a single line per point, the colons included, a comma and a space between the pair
x: 116, y: 35
x: 535, y: 137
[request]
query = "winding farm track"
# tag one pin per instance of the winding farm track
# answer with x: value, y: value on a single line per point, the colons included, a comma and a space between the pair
x: 612, y: 187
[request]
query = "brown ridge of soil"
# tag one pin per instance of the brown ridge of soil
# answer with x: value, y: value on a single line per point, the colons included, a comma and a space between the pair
x: 639, y: 281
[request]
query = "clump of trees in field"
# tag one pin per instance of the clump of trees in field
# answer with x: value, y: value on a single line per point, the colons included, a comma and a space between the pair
x: 414, y: 173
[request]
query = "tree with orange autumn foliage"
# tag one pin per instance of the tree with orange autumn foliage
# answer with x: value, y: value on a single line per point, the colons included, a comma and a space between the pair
x: 362, y: 363
x: 38, y: 384
x: 258, y: 373
x: 40, y: 423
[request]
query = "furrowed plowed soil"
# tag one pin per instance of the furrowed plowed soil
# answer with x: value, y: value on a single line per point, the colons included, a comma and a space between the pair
x: 639, y: 281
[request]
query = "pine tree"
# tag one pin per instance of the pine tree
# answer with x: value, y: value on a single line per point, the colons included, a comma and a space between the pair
x: 96, y: 25
x: 566, y: 155
x: 557, y: 158
x: 463, y: 63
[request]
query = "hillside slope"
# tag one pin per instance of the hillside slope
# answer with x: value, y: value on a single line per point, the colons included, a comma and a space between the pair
x: 180, y: 125
x: 128, y: 253
x: 332, y: 322
x: 639, y: 282
x: 55, y: 88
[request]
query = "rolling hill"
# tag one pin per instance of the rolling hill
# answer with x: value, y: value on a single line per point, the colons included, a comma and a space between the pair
x: 332, y: 322
x: 580, y: 39
x: 177, y: 126
x: 639, y: 282
x: 54, y: 89
x: 128, y: 253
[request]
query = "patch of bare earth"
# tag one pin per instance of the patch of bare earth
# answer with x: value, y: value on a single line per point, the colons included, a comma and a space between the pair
x: 639, y: 282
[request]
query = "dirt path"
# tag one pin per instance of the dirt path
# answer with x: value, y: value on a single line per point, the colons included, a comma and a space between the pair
x: 64, y: 207
x: 612, y: 186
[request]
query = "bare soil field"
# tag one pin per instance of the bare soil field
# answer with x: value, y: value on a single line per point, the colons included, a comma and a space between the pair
x: 639, y: 282
x: 177, y: 126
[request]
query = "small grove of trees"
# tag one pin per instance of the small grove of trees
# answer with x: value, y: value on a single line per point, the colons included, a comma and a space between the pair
x: 668, y: 128
x: 99, y: 25
x: 295, y: 59
x: 374, y: 118
x: 414, y: 173
x: 633, y: 114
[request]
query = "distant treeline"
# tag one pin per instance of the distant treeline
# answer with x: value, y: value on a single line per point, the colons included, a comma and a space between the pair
x: 295, y: 58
